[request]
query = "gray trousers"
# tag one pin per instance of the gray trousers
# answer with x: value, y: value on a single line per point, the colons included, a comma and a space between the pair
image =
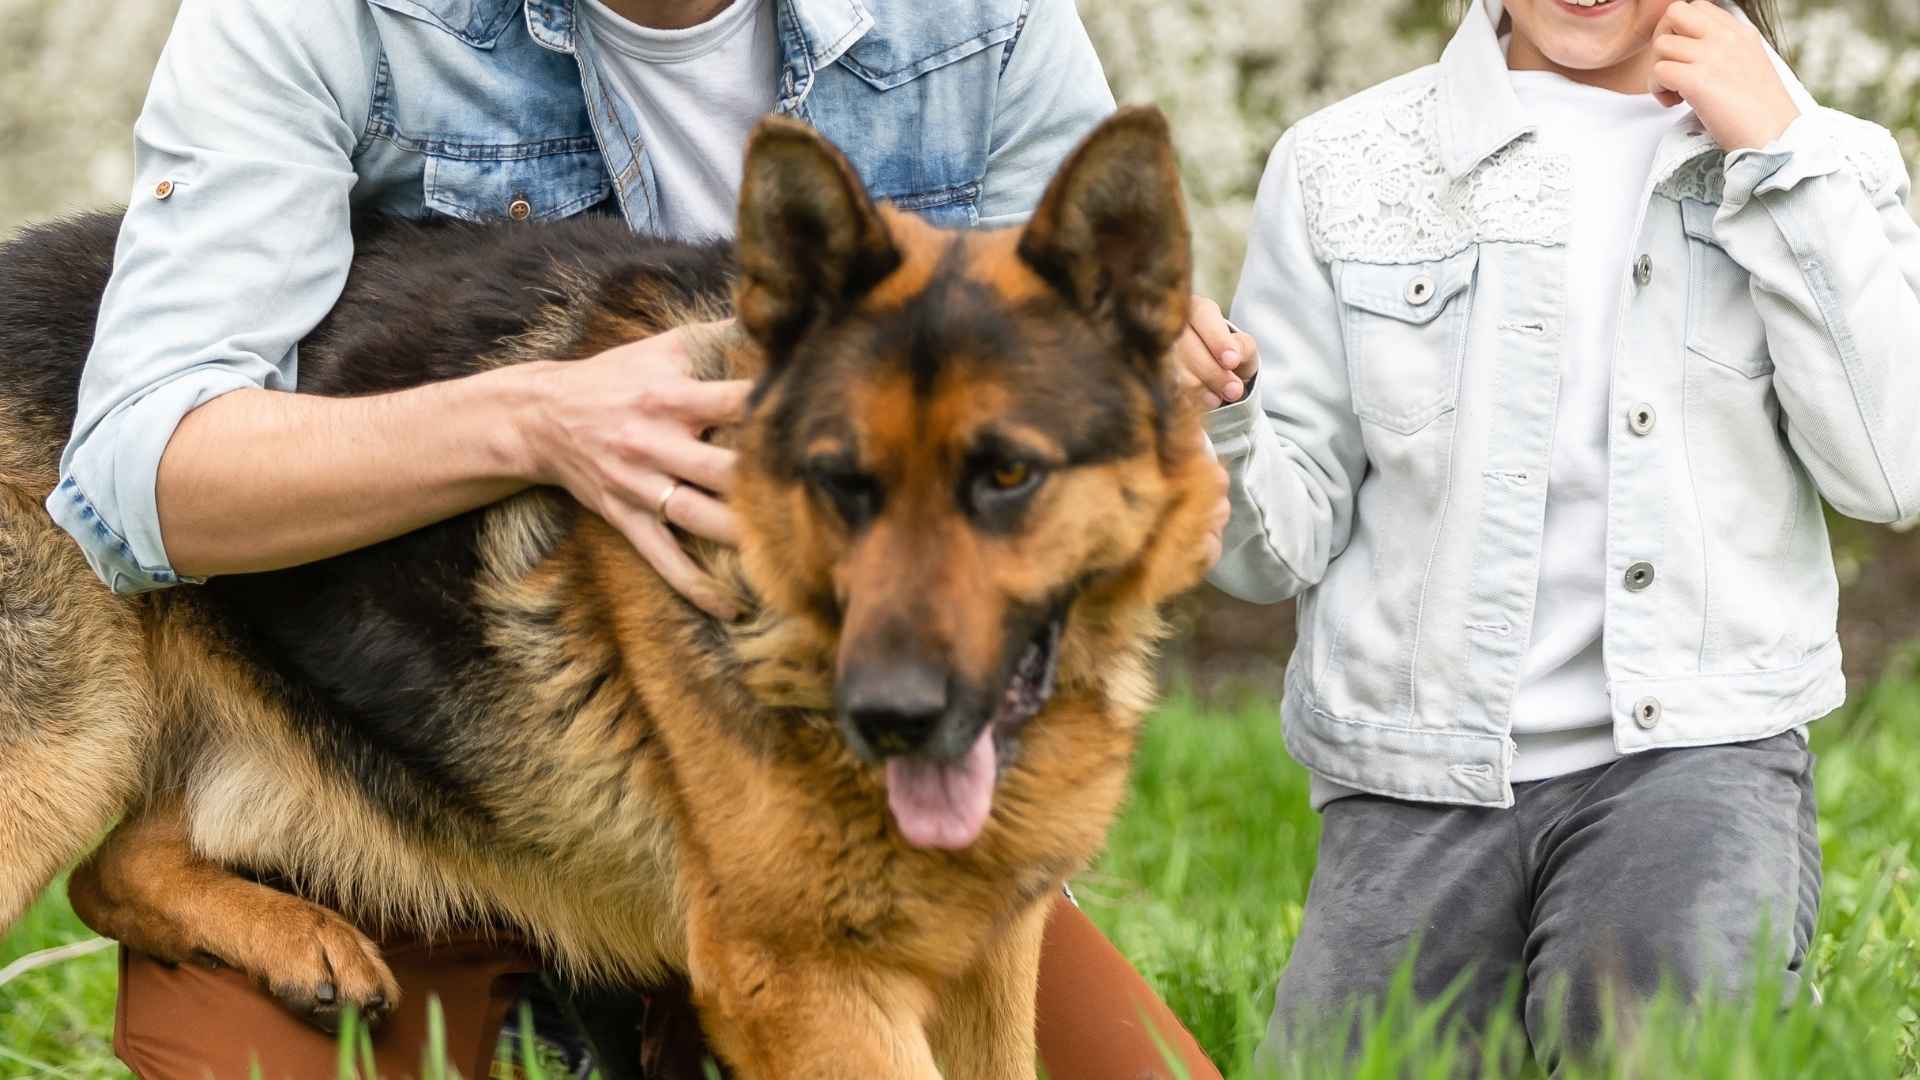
x: 1696, y: 866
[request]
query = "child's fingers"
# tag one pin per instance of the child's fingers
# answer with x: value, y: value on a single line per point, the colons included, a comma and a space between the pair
x: 1694, y: 19
x: 1195, y: 358
x: 1214, y: 331
x: 1713, y: 16
x: 1249, y: 352
x: 1679, y: 47
x: 1675, y: 78
x: 1189, y: 386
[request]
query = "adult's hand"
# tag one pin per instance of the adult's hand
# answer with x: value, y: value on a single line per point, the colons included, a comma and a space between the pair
x: 622, y: 432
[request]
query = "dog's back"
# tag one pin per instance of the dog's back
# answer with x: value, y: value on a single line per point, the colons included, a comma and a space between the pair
x: 51, y: 280
x: 363, y: 672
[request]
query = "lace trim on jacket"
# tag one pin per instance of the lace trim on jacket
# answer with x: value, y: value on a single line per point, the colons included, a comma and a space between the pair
x: 1375, y: 190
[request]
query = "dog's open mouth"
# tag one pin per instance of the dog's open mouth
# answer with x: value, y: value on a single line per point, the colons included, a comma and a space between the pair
x: 944, y: 804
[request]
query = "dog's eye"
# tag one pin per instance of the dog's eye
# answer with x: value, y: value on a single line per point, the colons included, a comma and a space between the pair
x: 1005, y: 483
x: 1009, y: 475
x: 854, y: 494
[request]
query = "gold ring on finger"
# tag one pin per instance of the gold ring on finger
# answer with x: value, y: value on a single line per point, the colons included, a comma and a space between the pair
x: 660, y: 507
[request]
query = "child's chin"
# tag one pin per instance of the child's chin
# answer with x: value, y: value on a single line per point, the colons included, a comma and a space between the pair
x: 1589, y: 52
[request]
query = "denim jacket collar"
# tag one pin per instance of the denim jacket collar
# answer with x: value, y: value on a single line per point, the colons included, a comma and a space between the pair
x: 1479, y: 112
x: 813, y: 34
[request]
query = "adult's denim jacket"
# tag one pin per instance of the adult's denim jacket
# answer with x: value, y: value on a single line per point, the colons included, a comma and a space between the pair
x: 1407, y: 282
x: 270, y: 123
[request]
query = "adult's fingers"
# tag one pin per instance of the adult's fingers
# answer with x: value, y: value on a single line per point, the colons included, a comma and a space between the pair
x: 711, y: 402
x: 687, y: 458
x: 650, y: 537
x: 703, y: 515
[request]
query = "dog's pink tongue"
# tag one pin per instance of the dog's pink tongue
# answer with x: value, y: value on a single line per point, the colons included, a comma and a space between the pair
x: 944, y: 805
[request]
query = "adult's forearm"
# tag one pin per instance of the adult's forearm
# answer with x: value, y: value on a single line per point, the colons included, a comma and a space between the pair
x: 261, y: 480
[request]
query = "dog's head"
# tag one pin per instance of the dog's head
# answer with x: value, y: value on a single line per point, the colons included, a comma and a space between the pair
x: 964, y: 462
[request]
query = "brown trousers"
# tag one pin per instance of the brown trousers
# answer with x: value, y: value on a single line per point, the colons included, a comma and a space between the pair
x: 1097, y: 1018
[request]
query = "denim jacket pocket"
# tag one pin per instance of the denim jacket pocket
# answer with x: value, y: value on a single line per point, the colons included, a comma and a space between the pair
x: 917, y: 39
x: 479, y: 23
x: 1406, y: 332
x: 1722, y: 325
x: 516, y: 188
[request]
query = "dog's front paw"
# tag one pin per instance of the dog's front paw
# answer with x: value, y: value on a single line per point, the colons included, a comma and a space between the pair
x: 318, y: 965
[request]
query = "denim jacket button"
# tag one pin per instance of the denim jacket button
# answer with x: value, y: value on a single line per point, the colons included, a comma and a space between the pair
x: 1639, y: 576
x: 1420, y: 289
x: 1640, y: 419
x: 1646, y: 713
x: 520, y: 209
x: 1643, y: 270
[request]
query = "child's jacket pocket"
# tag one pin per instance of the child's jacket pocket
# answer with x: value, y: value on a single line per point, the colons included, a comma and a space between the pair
x: 1406, y: 331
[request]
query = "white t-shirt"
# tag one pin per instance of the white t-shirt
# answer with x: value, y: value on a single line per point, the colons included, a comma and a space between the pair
x: 697, y: 93
x: 1561, y: 715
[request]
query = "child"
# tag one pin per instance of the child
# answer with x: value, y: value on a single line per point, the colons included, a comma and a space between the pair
x: 1561, y: 369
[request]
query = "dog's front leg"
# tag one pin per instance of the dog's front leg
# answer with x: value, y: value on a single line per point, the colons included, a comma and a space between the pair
x: 148, y: 889
x: 773, y: 1015
x: 983, y: 1025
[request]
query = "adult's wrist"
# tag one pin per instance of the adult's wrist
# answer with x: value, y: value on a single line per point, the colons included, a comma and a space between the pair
x: 520, y: 434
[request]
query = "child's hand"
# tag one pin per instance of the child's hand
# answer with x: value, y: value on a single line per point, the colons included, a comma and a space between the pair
x: 1707, y: 57
x: 1215, y: 360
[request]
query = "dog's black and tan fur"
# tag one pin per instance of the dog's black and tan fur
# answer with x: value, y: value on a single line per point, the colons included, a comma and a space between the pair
x: 961, y: 455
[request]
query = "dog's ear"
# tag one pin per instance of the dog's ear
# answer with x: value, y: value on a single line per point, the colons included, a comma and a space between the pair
x: 1111, y: 232
x: 811, y: 241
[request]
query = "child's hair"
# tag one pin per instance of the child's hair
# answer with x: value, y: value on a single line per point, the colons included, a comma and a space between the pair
x: 1764, y: 13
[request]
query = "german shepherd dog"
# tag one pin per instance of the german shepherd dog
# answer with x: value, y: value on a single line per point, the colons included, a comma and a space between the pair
x: 965, y: 490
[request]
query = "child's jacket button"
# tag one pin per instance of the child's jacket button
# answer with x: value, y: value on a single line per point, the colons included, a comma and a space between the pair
x: 1420, y: 289
x: 1646, y: 713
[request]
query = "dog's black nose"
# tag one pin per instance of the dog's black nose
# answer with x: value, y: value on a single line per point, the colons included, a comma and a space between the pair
x: 894, y: 708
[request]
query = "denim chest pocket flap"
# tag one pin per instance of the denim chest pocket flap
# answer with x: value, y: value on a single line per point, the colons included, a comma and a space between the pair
x: 1722, y: 325
x: 479, y: 23
x: 913, y: 39
x: 565, y: 180
x: 1406, y: 332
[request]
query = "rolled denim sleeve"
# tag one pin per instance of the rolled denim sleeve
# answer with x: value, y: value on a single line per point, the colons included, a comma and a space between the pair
x: 1292, y: 446
x: 1819, y: 220
x: 1052, y: 92
x: 235, y: 244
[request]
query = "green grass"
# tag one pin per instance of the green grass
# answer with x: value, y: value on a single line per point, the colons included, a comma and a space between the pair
x: 1203, y: 888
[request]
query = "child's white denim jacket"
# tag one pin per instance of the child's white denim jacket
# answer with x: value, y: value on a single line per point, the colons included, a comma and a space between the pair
x: 1406, y: 282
